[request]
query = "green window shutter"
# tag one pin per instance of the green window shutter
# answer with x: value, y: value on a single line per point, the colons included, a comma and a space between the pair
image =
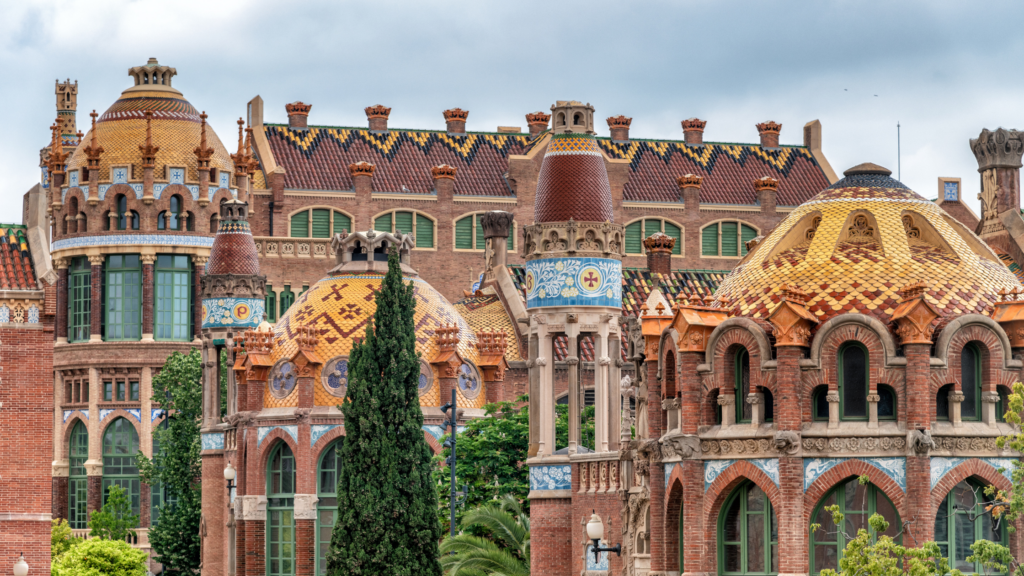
x: 321, y: 223
x: 746, y: 235
x: 480, y: 232
x: 633, y: 238
x: 512, y: 237
x: 342, y: 223
x: 672, y: 231
x: 730, y: 239
x: 463, y: 233
x: 383, y: 223
x: 271, y: 305
x: 403, y: 222
x: 709, y: 241
x: 300, y: 225
x: 424, y: 232
x: 650, y: 227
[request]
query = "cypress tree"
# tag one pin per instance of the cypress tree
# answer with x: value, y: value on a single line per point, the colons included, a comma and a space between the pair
x: 387, y: 508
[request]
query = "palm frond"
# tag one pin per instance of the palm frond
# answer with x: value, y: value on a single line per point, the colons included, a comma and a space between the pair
x: 502, y: 524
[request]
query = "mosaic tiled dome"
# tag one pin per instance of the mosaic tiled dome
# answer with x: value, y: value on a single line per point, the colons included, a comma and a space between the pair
x: 573, y: 182
x: 340, y: 307
x: 233, y: 251
x: 857, y: 243
x: 176, y: 126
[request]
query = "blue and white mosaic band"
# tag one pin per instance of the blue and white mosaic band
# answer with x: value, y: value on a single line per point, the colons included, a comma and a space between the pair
x: 155, y: 414
x: 68, y: 413
x: 134, y: 412
x: 895, y: 468
x: 940, y: 466
x: 599, y: 565
x: 262, y: 432
x: 133, y: 239
x: 213, y: 441
x: 714, y: 468
x: 317, y: 431
x: 574, y: 282
x: 232, y: 312
x: 552, y: 477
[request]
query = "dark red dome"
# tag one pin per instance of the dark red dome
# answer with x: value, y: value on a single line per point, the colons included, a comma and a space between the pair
x: 233, y: 251
x: 573, y: 182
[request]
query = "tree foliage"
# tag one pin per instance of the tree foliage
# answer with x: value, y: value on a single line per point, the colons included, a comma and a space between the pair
x: 61, y: 538
x: 98, y: 557
x: 387, y: 509
x: 115, y: 520
x: 503, y: 551
x: 177, y: 464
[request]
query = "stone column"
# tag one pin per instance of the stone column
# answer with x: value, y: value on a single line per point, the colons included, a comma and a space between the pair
x: 96, y: 297
x: 547, y: 394
x: 534, y: 394
x: 211, y: 388
x: 601, y: 389
x: 955, y: 401
x: 612, y: 393
x: 497, y: 227
x: 214, y: 504
x: 94, y: 464
x: 62, y: 300
x: 573, y: 362
x: 656, y: 427
x: 148, y: 300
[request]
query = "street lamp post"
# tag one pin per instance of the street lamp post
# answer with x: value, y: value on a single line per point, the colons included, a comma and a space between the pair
x: 455, y: 498
x: 21, y: 567
x: 595, y: 530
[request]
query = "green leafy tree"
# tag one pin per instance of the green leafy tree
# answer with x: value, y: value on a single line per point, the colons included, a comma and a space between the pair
x: 387, y: 509
x: 177, y: 464
x: 503, y: 551
x: 115, y: 520
x: 96, y: 557
x: 61, y: 538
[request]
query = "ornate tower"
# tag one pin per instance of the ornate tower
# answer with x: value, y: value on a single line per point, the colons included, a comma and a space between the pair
x: 999, y: 161
x: 67, y: 105
x: 573, y: 255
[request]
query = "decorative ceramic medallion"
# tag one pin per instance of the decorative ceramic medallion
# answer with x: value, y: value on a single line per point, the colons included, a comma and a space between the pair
x: 282, y: 378
x: 426, y: 382
x: 469, y: 380
x: 335, y: 376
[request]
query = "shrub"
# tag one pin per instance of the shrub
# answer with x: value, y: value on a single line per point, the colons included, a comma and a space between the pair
x: 96, y: 557
x: 115, y: 520
x: 61, y: 539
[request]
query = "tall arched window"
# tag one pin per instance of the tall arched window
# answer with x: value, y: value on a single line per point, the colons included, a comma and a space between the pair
x: 819, y: 402
x: 857, y: 502
x: 126, y: 219
x: 281, y: 512
x: 160, y: 495
x: 123, y: 297
x: 748, y: 533
x: 741, y: 367
x: 120, y: 445
x: 726, y: 239
x: 681, y: 547
x: 319, y: 223
x: 174, y: 218
x: 419, y: 225
x: 970, y: 382
x: 287, y: 299
x: 961, y: 520
x: 78, y: 482
x: 173, y: 297
x: 327, y: 476
x: 79, y: 299
x: 853, y: 381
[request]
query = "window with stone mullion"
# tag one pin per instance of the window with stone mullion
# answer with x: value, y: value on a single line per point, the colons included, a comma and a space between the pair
x: 961, y: 520
x: 748, y: 533
x: 857, y: 502
x: 78, y: 482
x: 120, y: 445
x: 79, y: 299
x: 173, y: 298
x: 123, y: 297
x: 280, y: 531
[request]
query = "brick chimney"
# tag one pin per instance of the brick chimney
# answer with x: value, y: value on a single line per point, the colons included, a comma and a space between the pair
x: 766, y: 188
x: 689, y: 191
x: 619, y: 127
x: 659, y: 253
x: 693, y: 131
x: 769, y: 132
x: 455, y: 119
x: 444, y: 181
x: 378, y: 117
x: 298, y: 114
x: 362, y: 179
x: 538, y: 122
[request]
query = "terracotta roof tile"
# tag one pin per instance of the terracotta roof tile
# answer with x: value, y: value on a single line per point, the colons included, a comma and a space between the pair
x: 15, y: 261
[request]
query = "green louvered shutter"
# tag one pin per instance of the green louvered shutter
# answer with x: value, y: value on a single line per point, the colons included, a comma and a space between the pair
x: 709, y: 241
x: 730, y: 238
x: 342, y: 223
x: 383, y: 223
x: 321, y: 223
x: 463, y: 233
x: 480, y: 232
x: 424, y: 232
x: 633, y: 238
x: 403, y: 222
x: 650, y: 227
x: 300, y: 225
x: 746, y: 235
x: 672, y: 231
x: 511, y: 238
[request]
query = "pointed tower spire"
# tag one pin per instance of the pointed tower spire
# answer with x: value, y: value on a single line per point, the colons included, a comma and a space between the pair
x: 148, y: 150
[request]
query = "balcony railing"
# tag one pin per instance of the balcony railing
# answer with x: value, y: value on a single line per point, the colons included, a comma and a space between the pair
x: 274, y: 247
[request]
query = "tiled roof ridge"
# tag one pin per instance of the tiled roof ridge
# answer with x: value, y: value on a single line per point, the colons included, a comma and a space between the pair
x: 705, y: 143
x: 390, y: 129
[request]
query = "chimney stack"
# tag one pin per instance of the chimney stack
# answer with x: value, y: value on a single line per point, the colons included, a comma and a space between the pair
x: 619, y: 127
x: 538, y: 122
x: 455, y: 119
x: 378, y: 117
x: 769, y: 132
x: 766, y: 187
x: 689, y: 191
x: 362, y: 178
x: 693, y: 131
x: 659, y: 253
x: 444, y: 181
x: 298, y: 114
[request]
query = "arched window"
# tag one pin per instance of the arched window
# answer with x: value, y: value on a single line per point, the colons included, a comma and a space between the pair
x: 126, y: 219
x: 726, y: 239
x: 682, y: 505
x: 819, y: 402
x: 741, y: 382
x: 319, y: 223
x: 637, y: 231
x: 853, y: 381
x: 160, y: 496
x: 857, y: 502
x: 71, y: 223
x: 327, y: 476
x: 79, y: 299
x: 886, y: 402
x: 271, y: 304
x: 469, y: 233
x: 970, y: 382
x: 287, y: 299
x: 577, y: 119
x: 419, y: 225
x: 173, y: 218
x: 561, y: 118
x: 78, y: 482
x: 281, y: 512
x: 1004, y: 403
x: 942, y: 402
x: 961, y: 520
x: 748, y: 533
x: 120, y: 445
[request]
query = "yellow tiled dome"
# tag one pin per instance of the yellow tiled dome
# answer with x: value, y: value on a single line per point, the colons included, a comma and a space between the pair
x: 340, y: 307
x: 856, y: 244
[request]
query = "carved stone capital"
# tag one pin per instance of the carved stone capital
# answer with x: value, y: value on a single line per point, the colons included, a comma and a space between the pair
x: 954, y: 396
x: 542, y: 361
x: 874, y: 397
x: 832, y: 397
x: 753, y: 399
x: 497, y: 224
x: 990, y: 397
x: 572, y: 360
x: 305, y: 506
x: 670, y: 404
x: 728, y: 400
x: 999, y: 149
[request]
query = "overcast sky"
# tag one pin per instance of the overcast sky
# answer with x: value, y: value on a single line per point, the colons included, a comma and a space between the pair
x: 943, y: 70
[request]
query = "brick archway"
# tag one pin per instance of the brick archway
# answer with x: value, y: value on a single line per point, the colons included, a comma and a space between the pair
x: 853, y: 467
x: 432, y: 442
x: 963, y: 471
x: 264, y: 450
x: 716, y: 495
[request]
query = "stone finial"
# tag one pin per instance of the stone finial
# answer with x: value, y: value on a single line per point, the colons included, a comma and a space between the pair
x: 693, y: 131
x: 537, y: 122
x: 361, y: 168
x: 791, y: 318
x: 1000, y: 149
x: 913, y: 290
x: 148, y: 149
x: 793, y: 294
x: 769, y: 132
x: 298, y: 114
x: 619, y: 127
x: 203, y: 152
x: 689, y: 181
x: 94, y: 150
x: 377, y: 115
x: 443, y: 171
x: 766, y: 183
x: 914, y: 316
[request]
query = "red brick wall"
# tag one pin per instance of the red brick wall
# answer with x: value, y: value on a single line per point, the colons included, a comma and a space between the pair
x: 551, y: 536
